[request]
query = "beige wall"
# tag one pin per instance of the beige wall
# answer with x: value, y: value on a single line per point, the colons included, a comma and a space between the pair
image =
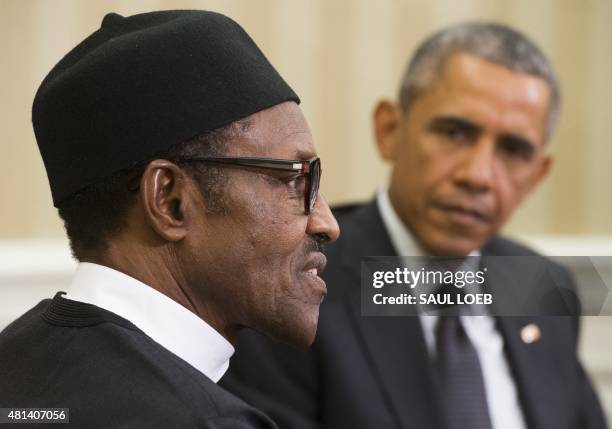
x: 340, y: 55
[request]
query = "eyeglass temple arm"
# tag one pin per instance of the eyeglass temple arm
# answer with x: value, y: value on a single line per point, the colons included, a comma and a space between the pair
x: 285, y: 165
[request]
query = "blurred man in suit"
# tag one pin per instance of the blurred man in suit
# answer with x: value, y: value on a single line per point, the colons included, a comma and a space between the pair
x: 468, y: 142
x: 187, y: 180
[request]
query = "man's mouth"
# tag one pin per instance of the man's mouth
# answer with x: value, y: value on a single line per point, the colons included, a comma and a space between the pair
x: 313, y: 269
x: 465, y: 214
x: 316, y: 264
x: 313, y: 272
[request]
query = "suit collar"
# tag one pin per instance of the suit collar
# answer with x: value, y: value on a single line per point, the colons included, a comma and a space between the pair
x: 541, y: 391
x: 365, y: 235
x: 405, y: 375
x: 530, y: 362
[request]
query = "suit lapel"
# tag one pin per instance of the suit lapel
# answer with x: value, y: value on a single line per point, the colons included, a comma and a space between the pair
x: 395, y: 346
x: 396, y: 349
x: 540, y: 390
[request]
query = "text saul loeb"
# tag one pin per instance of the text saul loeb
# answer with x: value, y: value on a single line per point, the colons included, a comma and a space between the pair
x: 433, y: 295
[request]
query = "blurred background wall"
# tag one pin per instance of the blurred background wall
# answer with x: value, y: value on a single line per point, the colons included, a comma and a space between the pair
x: 340, y: 56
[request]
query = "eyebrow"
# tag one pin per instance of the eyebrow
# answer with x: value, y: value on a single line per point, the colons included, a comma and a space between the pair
x: 454, y: 121
x: 470, y: 127
x: 304, y: 155
x: 521, y: 143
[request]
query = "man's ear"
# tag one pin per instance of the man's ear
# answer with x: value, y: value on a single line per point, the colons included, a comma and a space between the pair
x: 543, y: 169
x: 166, y: 199
x: 387, y: 116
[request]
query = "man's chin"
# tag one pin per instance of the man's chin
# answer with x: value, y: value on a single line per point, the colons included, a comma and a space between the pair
x: 451, y: 245
x: 297, y: 331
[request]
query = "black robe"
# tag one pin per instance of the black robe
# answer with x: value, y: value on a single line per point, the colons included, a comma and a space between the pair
x: 110, y: 374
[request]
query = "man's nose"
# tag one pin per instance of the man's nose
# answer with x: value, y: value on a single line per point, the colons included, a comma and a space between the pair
x: 321, y: 223
x: 477, y: 170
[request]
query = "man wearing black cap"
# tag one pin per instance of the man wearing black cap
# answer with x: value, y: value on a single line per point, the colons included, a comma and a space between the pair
x: 186, y: 177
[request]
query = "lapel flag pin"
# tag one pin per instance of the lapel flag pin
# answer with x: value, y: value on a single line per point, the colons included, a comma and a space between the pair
x: 531, y: 333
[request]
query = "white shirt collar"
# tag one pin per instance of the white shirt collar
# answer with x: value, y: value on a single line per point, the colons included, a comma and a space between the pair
x: 402, y: 240
x: 167, y: 322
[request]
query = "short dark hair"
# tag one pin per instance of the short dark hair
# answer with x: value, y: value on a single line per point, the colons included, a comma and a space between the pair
x: 98, y: 212
x: 492, y: 42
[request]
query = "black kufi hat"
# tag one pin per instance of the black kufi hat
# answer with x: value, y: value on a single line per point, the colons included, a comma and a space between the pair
x: 141, y: 84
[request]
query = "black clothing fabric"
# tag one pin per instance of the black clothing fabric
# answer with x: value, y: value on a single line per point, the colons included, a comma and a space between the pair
x: 67, y: 354
x: 376, y: 372
x: 142, y: 84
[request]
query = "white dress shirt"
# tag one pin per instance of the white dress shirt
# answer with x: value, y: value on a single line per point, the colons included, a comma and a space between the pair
x: 502, y: 396
x: 167, y: 322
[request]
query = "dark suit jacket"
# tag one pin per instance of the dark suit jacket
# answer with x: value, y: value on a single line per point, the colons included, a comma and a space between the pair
x: 66, y: 354
x: 374, y: 372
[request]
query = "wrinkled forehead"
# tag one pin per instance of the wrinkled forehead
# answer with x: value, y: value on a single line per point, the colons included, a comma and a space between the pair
x: 280, y: 132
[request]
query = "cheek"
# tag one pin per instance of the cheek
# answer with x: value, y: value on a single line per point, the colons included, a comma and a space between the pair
x: 277, y: 298
x: 429, y: 166
x: 509, y: 194
x: 264, y: 237
x: 255, y: 239
x: 273, y: 247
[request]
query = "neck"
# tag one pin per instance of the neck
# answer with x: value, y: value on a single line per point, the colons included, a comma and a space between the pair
x: 158, y: 266
x: 150, y: 268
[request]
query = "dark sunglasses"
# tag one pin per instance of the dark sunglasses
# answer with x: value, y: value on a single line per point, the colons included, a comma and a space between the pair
x: 310, y: 169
